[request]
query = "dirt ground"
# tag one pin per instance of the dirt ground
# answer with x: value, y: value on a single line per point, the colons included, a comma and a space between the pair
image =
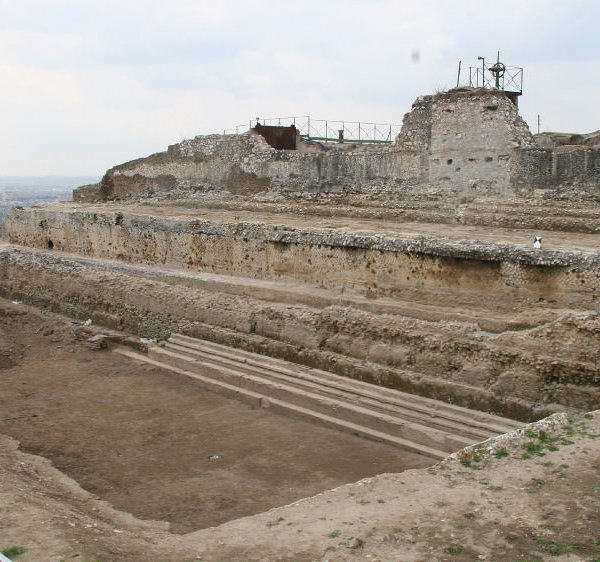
x: 138, y: 440
x: 145, y: 439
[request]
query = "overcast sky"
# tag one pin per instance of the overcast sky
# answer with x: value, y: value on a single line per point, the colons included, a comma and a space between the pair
x: 85, y: 85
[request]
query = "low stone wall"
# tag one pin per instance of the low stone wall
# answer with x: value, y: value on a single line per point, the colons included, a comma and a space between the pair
x: 501, y: 275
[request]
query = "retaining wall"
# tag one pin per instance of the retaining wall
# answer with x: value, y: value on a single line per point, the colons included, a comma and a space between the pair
x: 523, y: 374
x: 481, y: 273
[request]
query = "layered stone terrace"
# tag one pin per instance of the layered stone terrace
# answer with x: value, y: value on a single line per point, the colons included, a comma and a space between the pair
x: 475, y: 316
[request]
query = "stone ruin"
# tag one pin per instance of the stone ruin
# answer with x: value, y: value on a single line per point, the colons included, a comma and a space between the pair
x: 467, y: 141
x: 409, y: 266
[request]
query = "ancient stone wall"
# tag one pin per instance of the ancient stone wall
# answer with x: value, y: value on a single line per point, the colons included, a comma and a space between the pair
x: 473, y: 140
x: 463, y: 142
x: 565, y: 167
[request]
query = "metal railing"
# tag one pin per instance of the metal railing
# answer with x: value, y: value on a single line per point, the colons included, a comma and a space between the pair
x: 358, y: 132
x: 511, y: 79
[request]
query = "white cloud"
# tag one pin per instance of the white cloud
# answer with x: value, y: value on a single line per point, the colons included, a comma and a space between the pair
x: 85, y: 85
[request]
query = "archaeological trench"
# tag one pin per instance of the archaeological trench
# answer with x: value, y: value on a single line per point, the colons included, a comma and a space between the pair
x: 390, y: 291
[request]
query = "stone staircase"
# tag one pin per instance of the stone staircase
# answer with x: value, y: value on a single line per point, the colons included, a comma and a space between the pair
x: 429, y: 427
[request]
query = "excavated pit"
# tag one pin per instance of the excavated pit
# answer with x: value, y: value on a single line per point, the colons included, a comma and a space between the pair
x: 488, y: 324
x: 142, y: 438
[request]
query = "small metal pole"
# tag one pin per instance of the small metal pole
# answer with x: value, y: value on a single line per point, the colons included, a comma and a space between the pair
x: 482, y: 59
x: 458, y: 77
x: 308, y: 126
x: 538, y: 123
x: 359, y: 131
x: 326, y: 137
x: 482, y: 72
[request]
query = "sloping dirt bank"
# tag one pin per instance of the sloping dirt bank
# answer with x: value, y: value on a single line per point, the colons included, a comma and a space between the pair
x: 498, y: 508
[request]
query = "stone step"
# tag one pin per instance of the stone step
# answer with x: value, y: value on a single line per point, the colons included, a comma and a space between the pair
x: 316, y: 401
x: 424, y: 410
x: 307, y: 383
x: 287, y: 408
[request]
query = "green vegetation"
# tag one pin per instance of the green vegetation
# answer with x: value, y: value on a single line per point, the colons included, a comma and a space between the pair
x: 501, y: 453
x: 454, y: 549
x: 334, y: 534
x: 557, y: 549
x: 534, y: 449
x: 13, y: 551
x: 358, y: 543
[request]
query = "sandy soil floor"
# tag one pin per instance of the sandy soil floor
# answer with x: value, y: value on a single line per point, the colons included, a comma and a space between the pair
x: 137, y: 440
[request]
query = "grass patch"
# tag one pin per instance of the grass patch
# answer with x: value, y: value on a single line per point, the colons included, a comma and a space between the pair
x: 500, y: 453
x: 454, y: 549
x: 275, y: 523
x: 334, y: 534
x: 13, y: 551
x: 556, y: 549
x: 496, y: 488
x: 533, y: 448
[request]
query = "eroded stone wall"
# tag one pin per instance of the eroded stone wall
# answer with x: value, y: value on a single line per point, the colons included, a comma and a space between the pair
x: 465, y: 142
x: 523, y: 373
x: 382, y: 266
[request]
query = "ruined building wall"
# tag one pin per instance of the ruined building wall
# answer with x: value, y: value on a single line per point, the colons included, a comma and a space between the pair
x: 245, y: 164
x: 564, y: 167
x: 473, y: 142
x: 462, y: 142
